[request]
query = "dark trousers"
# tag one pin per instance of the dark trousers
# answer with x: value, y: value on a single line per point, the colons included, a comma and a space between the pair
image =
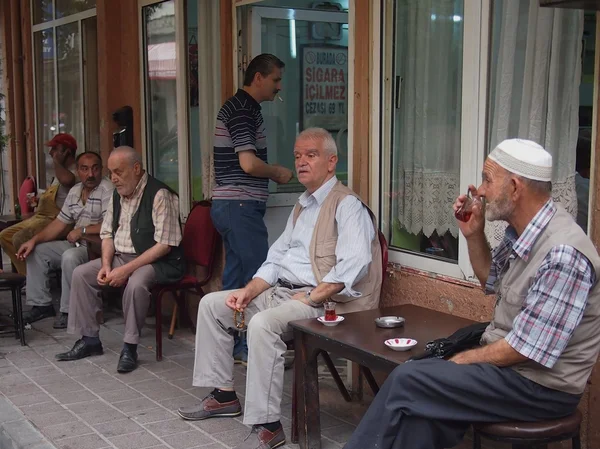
x: 430, y: 404
x: 245, y: 237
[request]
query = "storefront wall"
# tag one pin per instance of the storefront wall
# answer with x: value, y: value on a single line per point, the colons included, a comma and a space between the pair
x: 119, y: 83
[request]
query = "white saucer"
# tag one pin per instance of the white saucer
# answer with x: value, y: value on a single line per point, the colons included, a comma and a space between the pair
x: 400, y: 344
x: 337, y: 321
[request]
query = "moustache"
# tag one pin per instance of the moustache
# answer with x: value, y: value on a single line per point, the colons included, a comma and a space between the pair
x: 91, y: 179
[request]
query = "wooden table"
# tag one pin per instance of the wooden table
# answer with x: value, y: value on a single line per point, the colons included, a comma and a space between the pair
x: 357, y: 339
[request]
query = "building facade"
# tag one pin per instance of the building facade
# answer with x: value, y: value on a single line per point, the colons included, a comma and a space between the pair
x: 415, y: 93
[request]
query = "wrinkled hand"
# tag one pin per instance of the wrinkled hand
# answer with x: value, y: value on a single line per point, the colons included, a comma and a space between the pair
x: 238, y: 300
x: 117, y: 277
x: 284, y: 175
x: 476, y: 223
x: 102, y: 274
x: 25, y: 249
x: 74, y: 235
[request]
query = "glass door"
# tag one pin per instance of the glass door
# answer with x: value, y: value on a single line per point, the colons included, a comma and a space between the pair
x: 164, y: 95
x: 313, y: 44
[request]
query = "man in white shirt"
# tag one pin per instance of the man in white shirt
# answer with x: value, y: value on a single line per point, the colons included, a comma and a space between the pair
x: 328, y: 251
x: 81, y: 214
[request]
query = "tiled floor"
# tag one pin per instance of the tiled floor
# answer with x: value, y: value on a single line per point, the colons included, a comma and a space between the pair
x: 87, y: 405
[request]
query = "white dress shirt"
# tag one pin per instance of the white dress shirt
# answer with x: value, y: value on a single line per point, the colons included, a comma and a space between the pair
x: 289, y: 256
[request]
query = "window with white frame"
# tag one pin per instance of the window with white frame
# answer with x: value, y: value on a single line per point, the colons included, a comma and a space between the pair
x: 431, y: 75
x: 442, y: 112
x: 65, y: 76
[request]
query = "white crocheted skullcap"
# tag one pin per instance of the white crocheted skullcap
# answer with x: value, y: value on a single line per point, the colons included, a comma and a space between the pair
x: 524, y: 158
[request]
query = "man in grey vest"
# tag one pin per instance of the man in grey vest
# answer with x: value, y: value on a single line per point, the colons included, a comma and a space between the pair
x: 329, y: 249
x: 141, y: 236
x: 543, y: 341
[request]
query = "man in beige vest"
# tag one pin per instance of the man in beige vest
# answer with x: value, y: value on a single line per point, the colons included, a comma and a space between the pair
x: 543, y: 341
x: 329, y: 249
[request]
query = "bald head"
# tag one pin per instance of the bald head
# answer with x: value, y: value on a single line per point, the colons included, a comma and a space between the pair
x: 125, y: 166
x: 128, y: 154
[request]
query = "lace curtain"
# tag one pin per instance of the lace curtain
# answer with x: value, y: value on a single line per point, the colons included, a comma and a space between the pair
x: 534, y: 88
x: 426, y: 153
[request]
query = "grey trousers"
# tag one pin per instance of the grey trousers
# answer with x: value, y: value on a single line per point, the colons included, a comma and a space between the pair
x: 48, y: 257
x: 267, y: 317
x: 85, y: 303
x: 430, y: 404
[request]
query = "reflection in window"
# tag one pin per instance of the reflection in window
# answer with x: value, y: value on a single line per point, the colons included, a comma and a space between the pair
x: 42, y: 11
x: 426, y: 126
x: 68, y: 7
x: 43, y: 51
x: 161, y: 94
x: 70, y: 108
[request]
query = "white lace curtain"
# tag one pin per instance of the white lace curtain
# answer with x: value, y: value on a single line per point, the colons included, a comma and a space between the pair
x: 534, y: 87
x: 426, y: 156
x: 534, y: 94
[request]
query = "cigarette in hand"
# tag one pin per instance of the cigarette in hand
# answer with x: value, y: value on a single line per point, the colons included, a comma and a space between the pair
x: 280, y: 99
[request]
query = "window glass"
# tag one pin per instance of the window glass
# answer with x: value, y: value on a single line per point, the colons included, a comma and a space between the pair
x: 42, y: 11
x: 90, y: 83
x: 161, y: 94
x: 47, y: 125
x: 70, y: 101
x: 68, y: 7
x: 426, y: 125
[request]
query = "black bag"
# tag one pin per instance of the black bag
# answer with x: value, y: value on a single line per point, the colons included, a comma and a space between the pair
x: 461, y: 340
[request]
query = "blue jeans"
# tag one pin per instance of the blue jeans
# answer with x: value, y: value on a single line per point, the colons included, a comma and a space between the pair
x: 245, y: 237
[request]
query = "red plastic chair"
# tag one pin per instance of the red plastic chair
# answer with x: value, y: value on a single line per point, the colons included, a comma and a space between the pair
x: 28, y: 186
x: 200, y: 242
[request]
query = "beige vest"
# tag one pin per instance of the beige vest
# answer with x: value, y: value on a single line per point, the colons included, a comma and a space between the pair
x: 574, y: 366
x: 323, y: 258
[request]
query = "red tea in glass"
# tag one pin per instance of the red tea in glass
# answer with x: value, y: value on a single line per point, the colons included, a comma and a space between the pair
x: 465, y: 212
x: 463, y: 215
x: 330, y: 314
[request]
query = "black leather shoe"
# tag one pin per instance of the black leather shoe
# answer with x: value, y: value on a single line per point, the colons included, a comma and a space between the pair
x: 127, y: 361
x: 80, y: 350
x: 37, y: 313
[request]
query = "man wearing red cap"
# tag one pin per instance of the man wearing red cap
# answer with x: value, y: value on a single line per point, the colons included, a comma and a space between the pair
x: 62, y: 151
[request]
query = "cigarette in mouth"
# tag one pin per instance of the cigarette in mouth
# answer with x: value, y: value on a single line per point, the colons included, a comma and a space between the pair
x: 280, y: 99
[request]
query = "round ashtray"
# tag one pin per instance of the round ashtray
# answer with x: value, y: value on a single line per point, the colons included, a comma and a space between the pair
x: 389, y: 321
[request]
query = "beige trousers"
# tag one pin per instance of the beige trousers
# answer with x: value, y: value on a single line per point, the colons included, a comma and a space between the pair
x: 85, y: 303
x: 267, y: 317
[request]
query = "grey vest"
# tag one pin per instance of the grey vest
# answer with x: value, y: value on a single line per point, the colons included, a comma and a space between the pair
x: 574, y: 366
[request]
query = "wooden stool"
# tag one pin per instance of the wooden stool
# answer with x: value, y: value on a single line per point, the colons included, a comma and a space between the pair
x: 537, y: 435
x: 15, y: 283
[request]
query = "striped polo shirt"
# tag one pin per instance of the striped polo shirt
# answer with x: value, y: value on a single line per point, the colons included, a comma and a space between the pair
x: 240, y: 127
x: 74, y: 212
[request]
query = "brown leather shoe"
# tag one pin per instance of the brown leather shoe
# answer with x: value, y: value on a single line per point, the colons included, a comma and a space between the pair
x: 211, y: 408
x: 261, y: 438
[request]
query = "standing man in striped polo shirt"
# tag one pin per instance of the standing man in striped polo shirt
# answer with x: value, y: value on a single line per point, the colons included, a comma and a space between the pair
x: 242, y: 176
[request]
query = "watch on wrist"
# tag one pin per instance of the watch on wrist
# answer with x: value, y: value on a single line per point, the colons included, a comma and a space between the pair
x: 310, y: 301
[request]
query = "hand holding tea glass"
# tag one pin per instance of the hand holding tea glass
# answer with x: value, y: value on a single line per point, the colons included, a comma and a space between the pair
x: 469, y: 212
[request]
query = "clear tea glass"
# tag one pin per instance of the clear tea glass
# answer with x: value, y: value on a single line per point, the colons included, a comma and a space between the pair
x: 465, y: 212
x: 330, y: 314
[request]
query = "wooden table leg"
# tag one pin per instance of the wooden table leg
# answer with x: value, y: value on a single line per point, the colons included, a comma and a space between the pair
x: 307, y: 392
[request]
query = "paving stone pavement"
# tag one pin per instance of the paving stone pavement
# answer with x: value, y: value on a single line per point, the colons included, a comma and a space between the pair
x: 87, y: 405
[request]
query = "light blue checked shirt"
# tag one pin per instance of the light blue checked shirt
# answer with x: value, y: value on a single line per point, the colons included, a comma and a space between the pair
x: 289, y: 256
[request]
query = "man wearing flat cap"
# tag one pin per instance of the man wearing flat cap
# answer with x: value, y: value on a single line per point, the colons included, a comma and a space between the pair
x: 544, y: 337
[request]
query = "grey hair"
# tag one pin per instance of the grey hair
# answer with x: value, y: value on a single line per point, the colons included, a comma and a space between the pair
x: 542, y: 188
x: 130, y: 153
x: 320, y: 135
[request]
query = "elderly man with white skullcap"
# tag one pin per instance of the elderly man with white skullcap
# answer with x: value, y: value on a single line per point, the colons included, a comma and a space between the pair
x: 544, y: 338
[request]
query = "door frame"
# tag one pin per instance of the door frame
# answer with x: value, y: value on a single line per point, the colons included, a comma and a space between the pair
x: 181, y: 89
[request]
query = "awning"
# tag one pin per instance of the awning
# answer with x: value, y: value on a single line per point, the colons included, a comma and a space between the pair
x: 162, y: 61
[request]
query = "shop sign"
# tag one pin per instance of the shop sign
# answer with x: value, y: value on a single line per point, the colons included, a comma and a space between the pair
x: 324, y: 90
